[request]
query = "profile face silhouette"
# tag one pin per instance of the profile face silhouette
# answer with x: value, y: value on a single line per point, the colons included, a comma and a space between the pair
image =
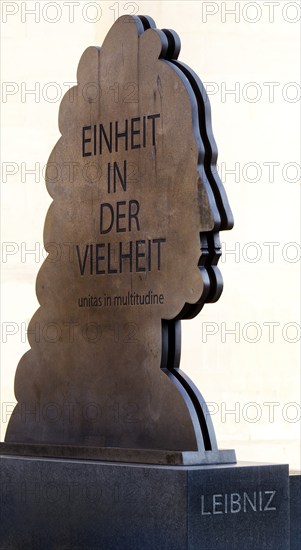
x: 129, y: 205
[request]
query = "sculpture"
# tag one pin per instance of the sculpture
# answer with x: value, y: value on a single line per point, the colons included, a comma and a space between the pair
x: 139, y: 203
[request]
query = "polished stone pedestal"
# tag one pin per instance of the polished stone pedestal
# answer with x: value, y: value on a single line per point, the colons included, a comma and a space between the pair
x: 64, y: 504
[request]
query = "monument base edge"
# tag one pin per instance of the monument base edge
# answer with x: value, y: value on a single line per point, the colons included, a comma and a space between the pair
x: 117, y: 454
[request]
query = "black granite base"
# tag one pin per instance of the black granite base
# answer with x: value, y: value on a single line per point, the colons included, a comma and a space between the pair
x: 55, y: 504
x: 295, y: 511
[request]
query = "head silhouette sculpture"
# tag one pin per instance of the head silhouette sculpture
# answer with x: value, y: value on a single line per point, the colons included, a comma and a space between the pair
x: 133, y: 246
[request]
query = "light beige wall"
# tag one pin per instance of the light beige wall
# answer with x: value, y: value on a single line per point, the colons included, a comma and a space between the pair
x: 255, y: 371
